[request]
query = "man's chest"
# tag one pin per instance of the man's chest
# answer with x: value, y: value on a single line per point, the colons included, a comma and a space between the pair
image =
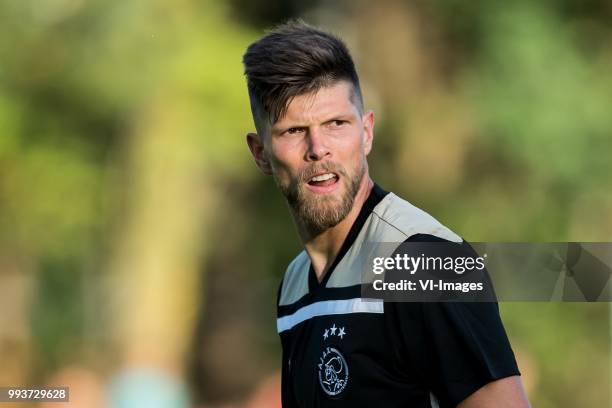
x: 348, y: 360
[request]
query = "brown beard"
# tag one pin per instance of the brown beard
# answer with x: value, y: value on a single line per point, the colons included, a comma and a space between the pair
x: 317, y: 213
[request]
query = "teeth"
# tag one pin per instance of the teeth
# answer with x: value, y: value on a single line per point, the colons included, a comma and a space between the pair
x: 323, y: 177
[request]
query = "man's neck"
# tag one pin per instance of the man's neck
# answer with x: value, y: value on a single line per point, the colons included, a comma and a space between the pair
x: 323, y: 248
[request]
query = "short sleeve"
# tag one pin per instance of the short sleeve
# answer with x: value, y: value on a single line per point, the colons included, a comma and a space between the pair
x: 467, y: 347
x: 457, y: 347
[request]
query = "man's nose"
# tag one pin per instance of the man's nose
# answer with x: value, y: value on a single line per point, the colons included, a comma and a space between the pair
x: 317, y: 145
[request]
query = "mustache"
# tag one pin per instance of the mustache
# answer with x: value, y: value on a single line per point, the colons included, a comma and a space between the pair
x: 328, y: 167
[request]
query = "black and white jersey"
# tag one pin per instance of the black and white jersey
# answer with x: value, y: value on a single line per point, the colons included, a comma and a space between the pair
x: 342, y: 350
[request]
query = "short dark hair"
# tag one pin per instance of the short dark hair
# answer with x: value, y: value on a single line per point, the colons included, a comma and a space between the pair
x: 295, y: 59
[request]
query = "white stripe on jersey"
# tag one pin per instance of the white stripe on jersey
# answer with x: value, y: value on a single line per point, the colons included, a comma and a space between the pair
x: 433, y: 400
x: 329, y: 307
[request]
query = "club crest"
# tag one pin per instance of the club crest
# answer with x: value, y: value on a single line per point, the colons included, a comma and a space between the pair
x: 333, y: 372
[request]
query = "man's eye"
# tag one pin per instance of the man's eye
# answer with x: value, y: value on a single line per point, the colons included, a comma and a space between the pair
x: 292, y: 131
x: 337, y: 123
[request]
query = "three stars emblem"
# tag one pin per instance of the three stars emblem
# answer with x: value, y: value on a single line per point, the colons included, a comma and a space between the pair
x: 341, y: 332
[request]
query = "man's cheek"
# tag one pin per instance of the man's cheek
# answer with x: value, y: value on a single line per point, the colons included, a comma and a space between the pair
x: 284, y: 176
x: 278, y: 166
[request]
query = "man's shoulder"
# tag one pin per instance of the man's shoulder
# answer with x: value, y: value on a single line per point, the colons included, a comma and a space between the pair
x: 397, y: 219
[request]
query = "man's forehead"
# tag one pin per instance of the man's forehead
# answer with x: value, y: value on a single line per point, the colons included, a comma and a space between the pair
x: 329, y: 100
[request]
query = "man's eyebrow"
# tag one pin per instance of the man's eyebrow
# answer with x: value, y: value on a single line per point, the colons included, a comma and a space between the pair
x: 340, y: 116
x: 346, y: 116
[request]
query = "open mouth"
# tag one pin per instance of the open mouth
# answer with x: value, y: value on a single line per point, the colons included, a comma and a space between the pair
x: 323, y: 180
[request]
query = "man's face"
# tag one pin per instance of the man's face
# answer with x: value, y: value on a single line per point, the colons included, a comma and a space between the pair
x: 317, y: 154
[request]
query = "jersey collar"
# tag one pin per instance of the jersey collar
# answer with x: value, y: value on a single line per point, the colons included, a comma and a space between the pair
x: 375, y: 197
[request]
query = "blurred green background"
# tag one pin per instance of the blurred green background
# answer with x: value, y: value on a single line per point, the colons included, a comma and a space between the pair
x: 137, y: 234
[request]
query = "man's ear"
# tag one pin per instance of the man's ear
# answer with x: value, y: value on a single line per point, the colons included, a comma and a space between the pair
x: 368, y: 130
x: 257, y: 150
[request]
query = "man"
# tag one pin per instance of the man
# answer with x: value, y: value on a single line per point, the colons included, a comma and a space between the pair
x: 340, y: 350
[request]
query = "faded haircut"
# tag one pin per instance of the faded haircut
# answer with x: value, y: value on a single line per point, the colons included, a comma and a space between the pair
x: 295, y: 59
